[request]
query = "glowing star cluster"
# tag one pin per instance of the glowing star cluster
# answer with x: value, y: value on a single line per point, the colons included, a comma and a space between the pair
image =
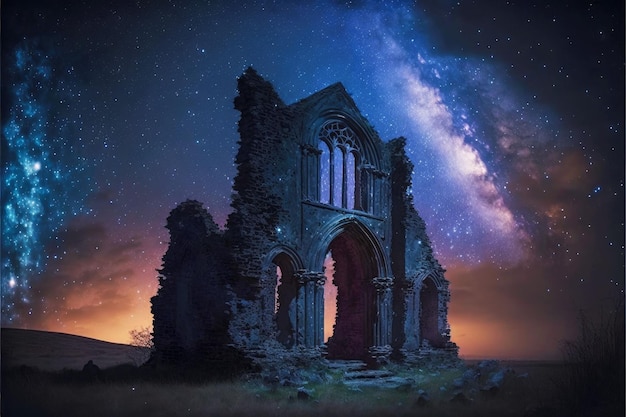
x: 34, y: 177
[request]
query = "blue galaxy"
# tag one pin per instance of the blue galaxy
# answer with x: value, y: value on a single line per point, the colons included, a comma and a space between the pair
x: 38, y: 177
x: 513, y: 115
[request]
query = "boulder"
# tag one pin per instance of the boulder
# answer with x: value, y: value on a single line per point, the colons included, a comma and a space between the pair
x: 422, y: 398
x: 460, y: 398
x: 304, y: 394
x: 91, y: 371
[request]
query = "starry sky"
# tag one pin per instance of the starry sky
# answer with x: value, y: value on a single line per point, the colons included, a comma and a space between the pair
x: 113, y: 112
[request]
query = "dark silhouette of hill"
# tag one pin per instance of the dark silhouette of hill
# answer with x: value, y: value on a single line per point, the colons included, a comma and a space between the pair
x: 50, y: 351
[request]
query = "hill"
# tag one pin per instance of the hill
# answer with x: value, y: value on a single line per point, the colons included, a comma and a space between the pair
x: 50, y: 351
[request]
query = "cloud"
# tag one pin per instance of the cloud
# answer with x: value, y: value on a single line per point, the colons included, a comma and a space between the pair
x: 500, y: 312
x: 95, y: 284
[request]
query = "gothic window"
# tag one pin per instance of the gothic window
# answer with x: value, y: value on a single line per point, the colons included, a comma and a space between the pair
x: 350, y: 179
x: 279, y: 277
x: 338, y: 178
x: 325, y: 170
x: 339, y: 166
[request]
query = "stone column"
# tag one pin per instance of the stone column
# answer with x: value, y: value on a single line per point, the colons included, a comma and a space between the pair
x: 310, y: 307
x: 382, y: 327
x: 300, y: 328
x: 331, y: 184
x: 444, y: 326
x: 367, y: 191
x: 318, y: 282
x: 411, y: 321
x: 344, y: 180
x: 310, y: 171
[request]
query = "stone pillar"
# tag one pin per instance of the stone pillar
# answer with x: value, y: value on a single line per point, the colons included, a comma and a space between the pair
x: 444, y: 325
x: 382, y: 326
x: 331, y: 197
x: 310, y: 307
x: 300, y: 313
x: 411, y: 322
x: 310, y: 171
x: 367, y: 190
x: 344, y: 180
x: 318, y: 283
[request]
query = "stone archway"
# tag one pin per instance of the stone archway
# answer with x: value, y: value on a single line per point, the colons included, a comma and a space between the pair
x: 360, y: 273
x: 429, y: 313
x: 285, y: 300
x: 353, y: 330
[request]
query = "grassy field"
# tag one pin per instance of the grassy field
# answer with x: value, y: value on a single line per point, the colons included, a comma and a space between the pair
x: 529, y: 389
x: 50, y: 351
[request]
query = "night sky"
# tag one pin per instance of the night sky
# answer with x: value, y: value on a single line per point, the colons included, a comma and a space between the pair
x: 113, y: 112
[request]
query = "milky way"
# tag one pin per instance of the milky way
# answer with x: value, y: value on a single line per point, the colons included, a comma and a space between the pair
x: 37, y: 182
x: 114, y: 113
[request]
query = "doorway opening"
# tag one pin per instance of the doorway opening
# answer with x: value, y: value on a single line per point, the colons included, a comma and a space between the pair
x: 285, y: 300
x: 349, y: 269
x: 429, y: 313
x: 330, y: 297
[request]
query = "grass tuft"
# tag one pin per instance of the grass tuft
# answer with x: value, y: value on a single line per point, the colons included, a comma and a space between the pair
x: 593, y: 377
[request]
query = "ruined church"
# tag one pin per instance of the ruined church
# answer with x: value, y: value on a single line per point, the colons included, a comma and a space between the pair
x: 323, y: 255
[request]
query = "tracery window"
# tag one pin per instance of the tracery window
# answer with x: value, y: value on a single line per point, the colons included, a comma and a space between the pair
x: 339, y: 166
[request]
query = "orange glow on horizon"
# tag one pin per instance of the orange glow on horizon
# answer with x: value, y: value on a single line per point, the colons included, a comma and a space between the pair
x: 496, y: 340
x: 114, y: 329
x: 114, y: 298
x: 489, y: 318
x: 102, y: 294
x: 330, y: 297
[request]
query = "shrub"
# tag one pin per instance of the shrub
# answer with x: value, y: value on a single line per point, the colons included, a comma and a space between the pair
x: 141, y: 341
x: 594, y: 364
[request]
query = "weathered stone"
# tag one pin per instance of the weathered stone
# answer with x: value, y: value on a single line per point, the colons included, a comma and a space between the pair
x: 313, y: 179
x: 91, y: 372
x: 368, y: 374
x: 423, y: 399
x: 489, y: 391
x: 497, y: 378
x: 471, y: 375
x: 304, y: 394
x: 488, y: 365
x: 458, y: 383
x: 460, y: 398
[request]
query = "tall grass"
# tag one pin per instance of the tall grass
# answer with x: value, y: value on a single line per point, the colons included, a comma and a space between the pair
x: 123, y: 392
x: 594, y: 373
x: 227, y: 399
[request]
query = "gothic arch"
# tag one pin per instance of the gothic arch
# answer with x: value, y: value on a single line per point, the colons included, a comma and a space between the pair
x: 344, y: 169
x: 369, y: 151
x: 431, y: 292
x: 293, y: 256
x: 363, y: 283
x: 282, y: 264
x: 434, y: 275
x: 359, y: 231
x: 340, y: 166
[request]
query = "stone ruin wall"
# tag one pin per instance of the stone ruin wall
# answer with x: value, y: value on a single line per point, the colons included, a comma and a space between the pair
x: 224, y: 295
x: 258, y: 206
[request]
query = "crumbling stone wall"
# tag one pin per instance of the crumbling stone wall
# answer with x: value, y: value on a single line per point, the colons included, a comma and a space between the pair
x: 191, y: 308
x: 262, y: 187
